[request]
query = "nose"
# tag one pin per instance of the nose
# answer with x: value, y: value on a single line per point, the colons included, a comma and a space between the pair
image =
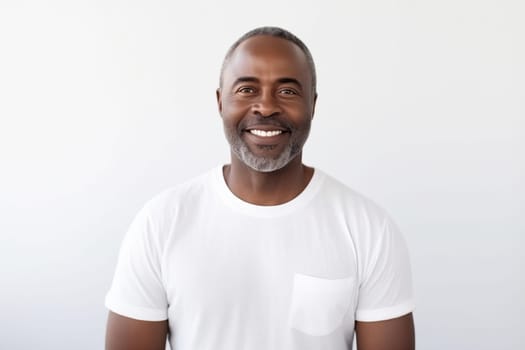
x: 266, y: 105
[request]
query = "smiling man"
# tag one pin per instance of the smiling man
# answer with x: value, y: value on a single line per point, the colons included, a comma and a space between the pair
x: 263, y: 253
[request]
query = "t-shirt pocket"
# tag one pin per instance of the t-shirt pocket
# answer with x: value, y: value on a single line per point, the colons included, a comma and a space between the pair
x: 319, y: 305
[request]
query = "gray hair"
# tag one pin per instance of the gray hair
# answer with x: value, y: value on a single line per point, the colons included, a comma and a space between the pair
x: 278, y: 33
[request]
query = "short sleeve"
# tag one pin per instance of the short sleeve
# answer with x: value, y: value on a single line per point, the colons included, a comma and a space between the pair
x: 137, y: 290
x: 386, y: 285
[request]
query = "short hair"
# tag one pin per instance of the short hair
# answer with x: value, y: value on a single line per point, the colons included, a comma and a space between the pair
x: 277, y: 33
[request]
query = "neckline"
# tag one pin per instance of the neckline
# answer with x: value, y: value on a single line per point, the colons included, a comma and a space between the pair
x: 250, y: 209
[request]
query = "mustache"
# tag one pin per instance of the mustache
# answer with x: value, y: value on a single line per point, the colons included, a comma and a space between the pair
x: 258, y: 120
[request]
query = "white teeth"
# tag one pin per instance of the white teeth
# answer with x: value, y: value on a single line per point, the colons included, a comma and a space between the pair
x: 264, y: 133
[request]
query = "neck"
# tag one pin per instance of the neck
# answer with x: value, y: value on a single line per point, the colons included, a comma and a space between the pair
x: 267, y: 188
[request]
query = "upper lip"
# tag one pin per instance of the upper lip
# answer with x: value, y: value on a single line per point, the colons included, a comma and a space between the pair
x: 266, y: 127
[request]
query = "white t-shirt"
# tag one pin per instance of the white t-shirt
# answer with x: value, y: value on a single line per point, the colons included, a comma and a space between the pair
x: 231, y: 275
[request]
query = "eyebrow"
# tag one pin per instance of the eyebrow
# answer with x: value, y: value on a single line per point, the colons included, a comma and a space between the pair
x: 245, y: 80
x: 290, y: 81
x: 284, y: 80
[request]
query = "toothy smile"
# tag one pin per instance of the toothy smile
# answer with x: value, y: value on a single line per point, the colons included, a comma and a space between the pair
x: 265, y: 133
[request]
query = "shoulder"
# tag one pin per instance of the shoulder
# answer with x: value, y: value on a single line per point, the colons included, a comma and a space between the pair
x: 156, y: 217
x: 369, y: 226
x: 340, y: 196
x: 178, y: 196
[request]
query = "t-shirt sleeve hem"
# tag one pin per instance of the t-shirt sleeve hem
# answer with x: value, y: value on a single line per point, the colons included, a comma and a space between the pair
x: 385, y: 313
x: 135, y: 312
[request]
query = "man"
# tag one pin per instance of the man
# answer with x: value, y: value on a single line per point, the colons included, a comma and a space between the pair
x: 264, y: 253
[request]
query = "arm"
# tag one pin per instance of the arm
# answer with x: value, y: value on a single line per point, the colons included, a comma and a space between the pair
x: 123, y: 333
x: 394, y: 334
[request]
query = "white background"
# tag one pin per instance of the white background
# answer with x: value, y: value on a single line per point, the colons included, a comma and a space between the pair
x: 105, y: 103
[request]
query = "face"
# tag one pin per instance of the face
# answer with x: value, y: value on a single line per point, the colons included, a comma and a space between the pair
x: 266, y: 101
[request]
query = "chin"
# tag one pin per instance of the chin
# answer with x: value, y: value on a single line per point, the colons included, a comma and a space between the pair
x: 265, y: 164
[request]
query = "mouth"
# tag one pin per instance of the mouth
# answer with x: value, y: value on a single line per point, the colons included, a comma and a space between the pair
x: 265, y: 133
x: 266, y: 130
x: 267, y: 137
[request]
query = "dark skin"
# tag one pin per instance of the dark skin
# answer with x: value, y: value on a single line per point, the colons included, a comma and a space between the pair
x: 266, y: 78
x: 394, y: 334
x: 124, y: 333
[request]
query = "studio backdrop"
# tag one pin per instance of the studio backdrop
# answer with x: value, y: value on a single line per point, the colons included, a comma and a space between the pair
x: 103, y: 104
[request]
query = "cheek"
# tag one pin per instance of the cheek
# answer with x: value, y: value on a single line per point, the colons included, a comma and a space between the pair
x: 234, y: 113
x: 232, y: 107
x: 230, y: 121
x: 299, y: 115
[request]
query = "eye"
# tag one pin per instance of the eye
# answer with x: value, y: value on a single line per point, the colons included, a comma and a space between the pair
x: 245, y: 90
x: 288, y: 91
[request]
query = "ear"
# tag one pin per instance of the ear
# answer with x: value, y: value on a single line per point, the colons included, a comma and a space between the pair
x: 313, y: 106
x: 219, y: 99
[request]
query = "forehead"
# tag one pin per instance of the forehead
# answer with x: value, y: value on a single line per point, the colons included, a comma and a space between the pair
x: 267, y: 57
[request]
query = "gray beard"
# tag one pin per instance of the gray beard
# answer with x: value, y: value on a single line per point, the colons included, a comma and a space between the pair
x: 261, y: 164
